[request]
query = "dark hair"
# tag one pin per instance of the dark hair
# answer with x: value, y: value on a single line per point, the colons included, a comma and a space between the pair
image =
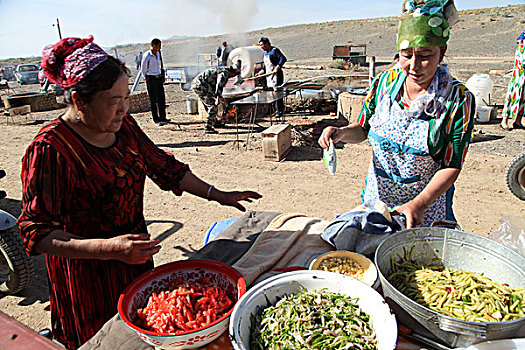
x: 155, y: 42
x: 264, y: 40
x: 99, y: 79
x: 396, y: 56
x: 224, y: 43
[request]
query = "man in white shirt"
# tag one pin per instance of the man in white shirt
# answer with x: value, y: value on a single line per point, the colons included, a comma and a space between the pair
x: 152, y: 70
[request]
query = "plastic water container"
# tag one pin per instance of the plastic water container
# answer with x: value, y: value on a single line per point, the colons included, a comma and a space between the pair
x: 249, y: 56
x: 481, y: 86
x: 483, y: 114
x: 191, y: 106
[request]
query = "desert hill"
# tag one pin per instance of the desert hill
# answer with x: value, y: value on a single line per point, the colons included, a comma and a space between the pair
x: 489, y: 32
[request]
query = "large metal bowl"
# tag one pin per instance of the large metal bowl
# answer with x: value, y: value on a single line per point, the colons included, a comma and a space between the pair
x: 455, y: 250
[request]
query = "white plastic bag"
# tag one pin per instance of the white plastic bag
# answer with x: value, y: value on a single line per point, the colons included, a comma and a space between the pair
x: 330, y: 158
x: 511, y: 233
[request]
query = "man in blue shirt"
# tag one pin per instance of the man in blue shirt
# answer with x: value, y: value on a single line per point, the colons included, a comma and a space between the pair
x: 273, y: 63
x: 138, y: 60
x: 223, y: 51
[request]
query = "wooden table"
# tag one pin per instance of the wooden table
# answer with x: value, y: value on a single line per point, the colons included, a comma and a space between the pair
x: 16, y: 336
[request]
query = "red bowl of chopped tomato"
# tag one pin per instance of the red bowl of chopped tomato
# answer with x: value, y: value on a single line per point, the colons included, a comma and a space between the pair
x: 182, y: 305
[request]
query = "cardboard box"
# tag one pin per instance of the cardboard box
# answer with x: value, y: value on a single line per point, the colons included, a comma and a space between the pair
x: 277, y: 142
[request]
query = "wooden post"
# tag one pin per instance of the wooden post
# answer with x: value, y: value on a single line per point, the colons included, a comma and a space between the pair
x: 237, y: 128
x: 372, y: 68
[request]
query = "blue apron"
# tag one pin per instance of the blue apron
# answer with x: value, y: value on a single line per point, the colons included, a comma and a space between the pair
x: 401, y: 165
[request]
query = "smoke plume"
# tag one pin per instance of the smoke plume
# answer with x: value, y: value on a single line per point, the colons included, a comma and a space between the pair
x: 234, y: 15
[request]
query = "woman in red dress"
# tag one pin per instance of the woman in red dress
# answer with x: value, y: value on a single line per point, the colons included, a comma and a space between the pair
x: 83, y: 182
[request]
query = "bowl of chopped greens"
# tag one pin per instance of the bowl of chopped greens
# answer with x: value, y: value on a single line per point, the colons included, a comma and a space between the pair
x: 312, y: 309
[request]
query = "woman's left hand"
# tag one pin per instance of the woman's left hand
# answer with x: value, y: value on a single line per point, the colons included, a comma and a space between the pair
x: 413, y: 212
x: 233, y: 198
x: 196, y: 186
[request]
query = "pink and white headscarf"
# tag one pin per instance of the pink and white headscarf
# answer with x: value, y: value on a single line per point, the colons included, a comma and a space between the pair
x: 71, y: 59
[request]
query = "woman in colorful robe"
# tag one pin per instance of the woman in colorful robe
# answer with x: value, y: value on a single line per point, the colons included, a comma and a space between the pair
x: 514, y: 107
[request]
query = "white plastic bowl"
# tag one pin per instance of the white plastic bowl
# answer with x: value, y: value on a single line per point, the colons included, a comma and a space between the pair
x: 272, y: 289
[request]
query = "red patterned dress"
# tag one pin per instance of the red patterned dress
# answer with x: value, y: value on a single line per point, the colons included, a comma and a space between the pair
x: 93, y: 192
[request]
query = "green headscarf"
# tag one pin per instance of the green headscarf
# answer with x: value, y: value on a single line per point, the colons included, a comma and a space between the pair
x: 420, y: 30
x: 426, y: 23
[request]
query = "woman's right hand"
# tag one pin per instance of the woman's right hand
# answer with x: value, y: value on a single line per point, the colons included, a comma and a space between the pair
x: 329, y: 132
x: 132, y: 248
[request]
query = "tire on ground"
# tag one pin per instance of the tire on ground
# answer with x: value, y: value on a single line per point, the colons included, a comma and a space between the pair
x: 516, y: 176
x: 15, y: 260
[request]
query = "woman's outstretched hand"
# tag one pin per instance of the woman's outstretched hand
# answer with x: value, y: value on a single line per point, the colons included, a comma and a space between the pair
x: 234, y: 198
x: 196, y: 186
x: 132, y: 248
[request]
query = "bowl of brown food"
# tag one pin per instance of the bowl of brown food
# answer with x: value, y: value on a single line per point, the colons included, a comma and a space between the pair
x: 348, y: 263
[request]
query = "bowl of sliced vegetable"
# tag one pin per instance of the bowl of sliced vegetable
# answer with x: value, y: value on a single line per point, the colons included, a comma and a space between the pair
x: 457, y: 288
x: 315, y: 310
x: 350, y: 264
x: 182, y: 305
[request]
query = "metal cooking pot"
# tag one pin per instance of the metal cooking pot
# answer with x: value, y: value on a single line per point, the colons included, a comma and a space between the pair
x: 455, y: 250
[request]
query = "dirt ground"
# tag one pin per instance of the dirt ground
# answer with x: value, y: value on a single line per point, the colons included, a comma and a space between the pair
x: 299, y: 183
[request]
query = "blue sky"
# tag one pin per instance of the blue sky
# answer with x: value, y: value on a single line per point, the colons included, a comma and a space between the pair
x: 26, y: 26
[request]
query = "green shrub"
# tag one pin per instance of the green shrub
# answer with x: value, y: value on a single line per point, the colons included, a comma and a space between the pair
x: 338, y: 64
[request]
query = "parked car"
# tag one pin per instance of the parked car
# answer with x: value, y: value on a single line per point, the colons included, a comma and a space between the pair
x: 26, y: 73
x: 8, y: 73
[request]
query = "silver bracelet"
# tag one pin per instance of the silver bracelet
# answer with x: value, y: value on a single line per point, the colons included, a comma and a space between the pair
x: 209, y: 192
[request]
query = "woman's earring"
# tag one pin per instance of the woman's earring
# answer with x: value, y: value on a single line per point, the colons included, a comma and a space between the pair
x: 78, y: 117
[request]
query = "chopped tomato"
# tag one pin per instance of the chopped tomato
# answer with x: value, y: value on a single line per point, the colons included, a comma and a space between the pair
x: 185, y: 306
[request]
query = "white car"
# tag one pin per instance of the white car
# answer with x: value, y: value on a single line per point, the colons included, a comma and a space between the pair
x: 27, y: 74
